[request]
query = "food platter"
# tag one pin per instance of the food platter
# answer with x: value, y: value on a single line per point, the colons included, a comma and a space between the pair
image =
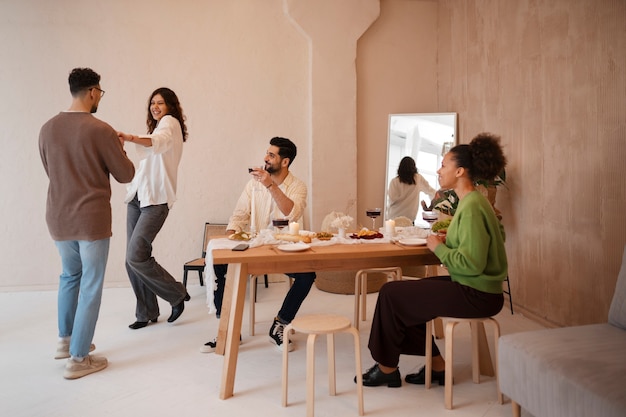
x: 412, y: 241
x: 293, y: 247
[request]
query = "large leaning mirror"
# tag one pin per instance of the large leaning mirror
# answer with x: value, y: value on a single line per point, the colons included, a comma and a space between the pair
x: 424, y: 137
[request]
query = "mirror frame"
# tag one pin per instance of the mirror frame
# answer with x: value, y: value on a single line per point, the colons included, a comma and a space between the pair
x: 399, y: 121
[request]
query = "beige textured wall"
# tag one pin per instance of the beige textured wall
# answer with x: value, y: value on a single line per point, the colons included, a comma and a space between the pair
x: 550, y: 77
x: 396, y: 73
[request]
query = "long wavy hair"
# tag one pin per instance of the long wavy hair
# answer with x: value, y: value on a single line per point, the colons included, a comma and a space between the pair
x: 407, y: 170
x: 174, y: 109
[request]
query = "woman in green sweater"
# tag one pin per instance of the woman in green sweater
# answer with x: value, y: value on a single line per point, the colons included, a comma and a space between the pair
x: 472, y: 251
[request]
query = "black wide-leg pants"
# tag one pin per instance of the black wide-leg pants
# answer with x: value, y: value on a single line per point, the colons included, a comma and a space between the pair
x: 404, y: 307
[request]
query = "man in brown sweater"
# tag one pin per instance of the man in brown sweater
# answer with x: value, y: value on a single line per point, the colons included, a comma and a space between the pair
x: 79, y: 152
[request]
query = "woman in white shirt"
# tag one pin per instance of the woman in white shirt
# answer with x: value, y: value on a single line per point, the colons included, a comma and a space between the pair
x: 150, y: 196
x: 404, y: 190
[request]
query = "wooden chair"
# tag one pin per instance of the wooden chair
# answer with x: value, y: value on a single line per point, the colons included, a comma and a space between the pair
x: 477, y: 352
x: 508, y: 292
x: 403, y: 221
x: 315, y: 325
x: 360, y: 289
x: 198, y: 264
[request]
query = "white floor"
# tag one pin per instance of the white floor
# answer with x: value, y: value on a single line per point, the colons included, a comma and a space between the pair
x: 159, y: 371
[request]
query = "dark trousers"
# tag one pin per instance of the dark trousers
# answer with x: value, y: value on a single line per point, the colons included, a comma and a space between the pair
x: 404, y: 307
x: 291, y: 304
x: 147, y: 277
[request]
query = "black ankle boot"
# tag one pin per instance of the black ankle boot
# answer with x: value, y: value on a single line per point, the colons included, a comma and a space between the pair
x: 419, y: 378
x: 374, y: 377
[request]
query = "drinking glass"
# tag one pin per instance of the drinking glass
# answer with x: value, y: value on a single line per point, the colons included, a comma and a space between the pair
x: 280, y: 224
x: 430, y: 217
x: 373, y: 213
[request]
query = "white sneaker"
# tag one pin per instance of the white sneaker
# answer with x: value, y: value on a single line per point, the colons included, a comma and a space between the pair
x: 276, y: 336
x: 63, y: 349
x: 89, y: 365
x: 209, y: 347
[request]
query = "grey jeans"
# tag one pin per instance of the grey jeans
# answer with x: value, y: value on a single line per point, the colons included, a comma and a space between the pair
x: 147, y: 277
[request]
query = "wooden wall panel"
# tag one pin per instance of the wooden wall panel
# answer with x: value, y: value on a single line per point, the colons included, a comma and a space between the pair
x: 550, y: 77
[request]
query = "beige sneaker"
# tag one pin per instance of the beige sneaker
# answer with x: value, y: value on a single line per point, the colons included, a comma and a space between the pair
x: 89, y: 365
x: 63, y: 349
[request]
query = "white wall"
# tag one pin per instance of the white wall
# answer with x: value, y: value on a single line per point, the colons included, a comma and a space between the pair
x: 239, y: 69
x: 244, y: 70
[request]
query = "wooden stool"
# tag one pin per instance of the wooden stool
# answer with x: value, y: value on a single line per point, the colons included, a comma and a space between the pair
x: 327, y: 324
x: 476, y: 352
x: 360, y: 288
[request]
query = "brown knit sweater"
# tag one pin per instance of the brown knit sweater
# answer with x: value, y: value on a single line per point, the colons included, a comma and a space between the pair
x: 79, y: 152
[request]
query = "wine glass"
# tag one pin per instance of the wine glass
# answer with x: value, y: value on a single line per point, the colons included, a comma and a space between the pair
x: 373, y: 213
x: 280, y: 224
x: 430, y: 217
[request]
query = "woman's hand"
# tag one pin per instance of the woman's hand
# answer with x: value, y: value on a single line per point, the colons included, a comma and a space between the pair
x: 432, y: 241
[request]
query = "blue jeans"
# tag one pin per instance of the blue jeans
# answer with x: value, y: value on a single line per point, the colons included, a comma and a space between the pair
x: 147, y: 277
x: 80, y: 290
x: 302, y: 283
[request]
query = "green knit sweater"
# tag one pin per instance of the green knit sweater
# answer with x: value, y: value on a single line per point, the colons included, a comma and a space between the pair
x: 474, y: 252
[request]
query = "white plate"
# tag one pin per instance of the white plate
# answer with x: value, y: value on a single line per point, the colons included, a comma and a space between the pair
x: 412, y: 241
x: 293, y: 247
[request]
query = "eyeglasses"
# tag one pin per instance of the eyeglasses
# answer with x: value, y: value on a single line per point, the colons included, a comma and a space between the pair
x: 99, y: 89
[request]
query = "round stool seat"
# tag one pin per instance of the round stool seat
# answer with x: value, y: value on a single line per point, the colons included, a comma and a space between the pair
x: 315, y: 325
x: 320, y: 323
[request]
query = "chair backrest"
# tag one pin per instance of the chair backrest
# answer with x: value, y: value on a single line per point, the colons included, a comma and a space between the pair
x: 211, y: 229
x: 617, y: 312
x: 403, y: 221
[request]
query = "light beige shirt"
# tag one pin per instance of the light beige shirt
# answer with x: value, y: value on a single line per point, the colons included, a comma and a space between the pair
x: 255, y: 194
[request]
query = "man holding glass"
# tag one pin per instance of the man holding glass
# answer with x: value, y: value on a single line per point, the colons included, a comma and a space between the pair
x: 272, y: 192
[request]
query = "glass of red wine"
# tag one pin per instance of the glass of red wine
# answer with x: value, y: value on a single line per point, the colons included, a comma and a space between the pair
x: 373, y: 213
x: 430, y: 217
x: 280, y: 224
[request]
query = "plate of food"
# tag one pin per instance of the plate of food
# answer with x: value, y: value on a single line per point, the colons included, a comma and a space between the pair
x: 240, y: 236
x: 293, y: 247
x: 366, y: 234
x: 323, y: 235
x: 414, y: 241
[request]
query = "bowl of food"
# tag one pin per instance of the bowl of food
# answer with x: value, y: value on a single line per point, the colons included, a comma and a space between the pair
x: 441, y: 227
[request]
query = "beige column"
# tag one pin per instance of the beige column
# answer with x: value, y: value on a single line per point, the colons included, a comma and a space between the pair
x: 332, y: 29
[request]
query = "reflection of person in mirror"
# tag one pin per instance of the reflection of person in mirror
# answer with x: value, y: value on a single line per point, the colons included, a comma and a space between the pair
x: 277, y: 193
x: 150, y: 197
x: 404, y: 190
x: 474, y: 254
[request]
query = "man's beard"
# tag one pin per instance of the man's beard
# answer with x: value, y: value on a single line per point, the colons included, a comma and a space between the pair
x: 94, y: 108
x: 270, y: 169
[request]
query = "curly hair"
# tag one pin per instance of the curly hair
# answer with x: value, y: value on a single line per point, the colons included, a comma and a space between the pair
x: 407, y: 170
x: 81, y: 79
x: 174, y: 109
x: 482, y: 157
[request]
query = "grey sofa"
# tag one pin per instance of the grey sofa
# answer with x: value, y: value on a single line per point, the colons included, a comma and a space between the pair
x: 569, y: 371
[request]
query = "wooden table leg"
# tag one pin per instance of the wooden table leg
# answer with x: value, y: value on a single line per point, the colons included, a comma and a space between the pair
x: 230, y: 325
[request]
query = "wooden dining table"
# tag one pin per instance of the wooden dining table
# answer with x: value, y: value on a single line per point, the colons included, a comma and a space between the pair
x: 269, y: 259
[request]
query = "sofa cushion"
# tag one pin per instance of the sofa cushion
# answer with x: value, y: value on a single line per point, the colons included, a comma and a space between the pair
x: 617, y: 312
x: 568, y: 372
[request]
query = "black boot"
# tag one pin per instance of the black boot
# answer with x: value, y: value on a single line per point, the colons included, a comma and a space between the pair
x: 419, y: 378
x: 374, y: 377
